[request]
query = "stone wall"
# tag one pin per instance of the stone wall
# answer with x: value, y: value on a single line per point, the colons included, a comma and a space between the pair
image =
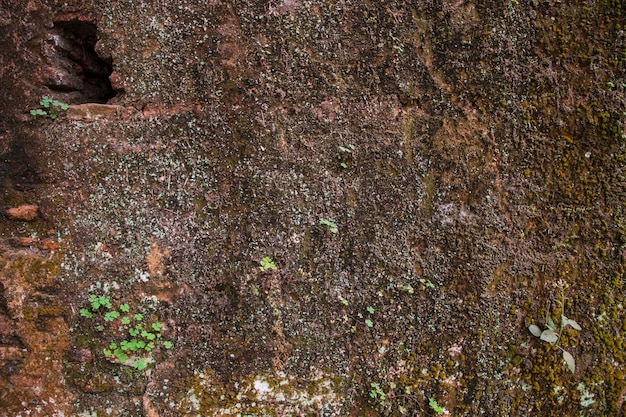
x: 312, y: 208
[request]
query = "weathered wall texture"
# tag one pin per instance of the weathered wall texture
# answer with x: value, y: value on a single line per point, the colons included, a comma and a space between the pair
x: 472, y: 155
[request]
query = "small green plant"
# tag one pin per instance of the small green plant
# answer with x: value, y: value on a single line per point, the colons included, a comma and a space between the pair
x: 552, y: 334
x: 427, y: 283
x: 142, y: 339
x: 397, y: 44
x: 267, y: 263
x: 50, y: 108
x: 346, y: 150
x: 111, y: 315
x: 435, y: 406
x: 99, y: 301
x: 377, y: 393
x: 407, y: 288
x: 332, y: 226
x: 349, y: 149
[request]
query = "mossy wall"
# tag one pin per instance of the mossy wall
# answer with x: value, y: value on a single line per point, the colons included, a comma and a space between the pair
x: 471, y: 155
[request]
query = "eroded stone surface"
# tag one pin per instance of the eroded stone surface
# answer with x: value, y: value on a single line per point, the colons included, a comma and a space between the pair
x: 469, y: 155
x: 34, y: 337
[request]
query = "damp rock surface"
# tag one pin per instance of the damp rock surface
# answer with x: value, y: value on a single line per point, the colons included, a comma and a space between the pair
x: 313, y: 208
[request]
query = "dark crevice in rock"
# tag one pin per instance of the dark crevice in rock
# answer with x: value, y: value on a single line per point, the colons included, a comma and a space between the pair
x: 10, y: 367
x: 17, y: 171
x: 11, y: 340
x: 4, y: 309
x: 8, y: 334
x: 74, y: 65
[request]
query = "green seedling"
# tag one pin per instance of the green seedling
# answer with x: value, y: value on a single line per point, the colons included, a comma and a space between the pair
x: 111, y: 315
x: 141, y: 364
x: 552, y: 334
x: 346, y: 150
x: 332, y: 226
x: 50, y: 108
x: 148, y: 335
x: 99, y: 301
x: 349, y: 149
x: 435, y: 406
x: 426, y: 283
x: 377, y: 393
x: 86, y: 313
x: 140, y: 341
x: 267, y: 263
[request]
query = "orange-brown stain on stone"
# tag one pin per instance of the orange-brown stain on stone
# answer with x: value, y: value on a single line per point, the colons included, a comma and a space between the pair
x: 158, y: 285
x: 156, y: 260
x: 26, y: 212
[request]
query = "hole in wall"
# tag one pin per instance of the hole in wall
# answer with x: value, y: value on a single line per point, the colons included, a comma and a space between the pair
x: 74, y: 66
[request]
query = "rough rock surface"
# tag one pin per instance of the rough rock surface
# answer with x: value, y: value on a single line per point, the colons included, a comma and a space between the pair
x: 331, y: 207
x: 26, y: 212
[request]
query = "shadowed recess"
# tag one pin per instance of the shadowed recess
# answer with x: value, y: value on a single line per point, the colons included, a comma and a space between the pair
x: 76, y: 65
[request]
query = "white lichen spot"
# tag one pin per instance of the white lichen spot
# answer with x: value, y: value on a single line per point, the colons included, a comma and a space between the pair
x: 586, y: 397
x: 142, y: 275
x: 262, y: 387
x: 192, y: 400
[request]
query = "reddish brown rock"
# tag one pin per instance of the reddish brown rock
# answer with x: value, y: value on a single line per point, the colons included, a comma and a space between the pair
x: 24, y: 241
x: 7, y: 327
x: 92, y: 111
x: 116, y: 81
x: 49, y: 245
x: 11, y: 353
x: 61, y: 80
x: 26, y: 212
